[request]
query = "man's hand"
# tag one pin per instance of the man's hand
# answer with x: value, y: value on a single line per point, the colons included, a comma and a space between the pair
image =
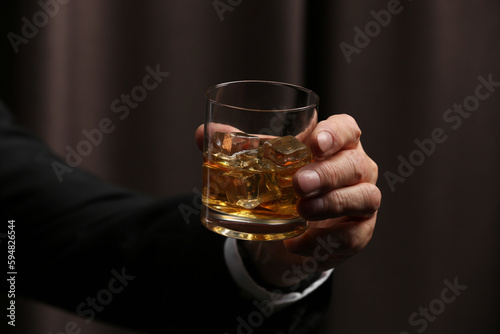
x: 338, y: 197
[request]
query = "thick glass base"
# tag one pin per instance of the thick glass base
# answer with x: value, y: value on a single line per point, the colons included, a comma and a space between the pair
x: 252, y: 229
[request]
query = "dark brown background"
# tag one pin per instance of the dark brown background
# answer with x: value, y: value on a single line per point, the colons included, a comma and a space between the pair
x: 442, y: 223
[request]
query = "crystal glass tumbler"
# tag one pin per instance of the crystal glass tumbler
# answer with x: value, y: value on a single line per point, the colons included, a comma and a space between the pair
x: 256, y: 136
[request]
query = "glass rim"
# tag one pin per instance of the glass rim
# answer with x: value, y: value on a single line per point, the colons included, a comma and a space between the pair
x: 276, y: 83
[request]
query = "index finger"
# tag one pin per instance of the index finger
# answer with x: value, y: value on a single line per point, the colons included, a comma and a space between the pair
x: 214, y: 127
x: 338, y: 132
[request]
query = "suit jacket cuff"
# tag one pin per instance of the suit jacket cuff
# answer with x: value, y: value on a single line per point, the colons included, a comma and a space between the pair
x: 245, y: 281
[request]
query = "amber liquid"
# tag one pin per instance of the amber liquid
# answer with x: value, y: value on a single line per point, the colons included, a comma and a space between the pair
x: 218, y: 183
x: 249, y: 194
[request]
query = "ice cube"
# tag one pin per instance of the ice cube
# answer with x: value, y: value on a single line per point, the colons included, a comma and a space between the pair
x: 229, y: 143
x: 285, y: 178
x: 285, y: 151
x: 268, y: 187
x: 213, y: 182
x: 224, y: 160
x: 242, y: 188
x: 249, y: 190
x: 285, y: 205
x: 248, y: 158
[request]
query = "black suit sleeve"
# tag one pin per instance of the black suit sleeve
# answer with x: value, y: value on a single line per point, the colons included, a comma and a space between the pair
x: 108, y: 253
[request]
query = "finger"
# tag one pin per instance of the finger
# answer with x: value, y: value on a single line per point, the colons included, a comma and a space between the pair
x: 360, y: 200
x: 334, y: 134
x: 345, y: 168
x: 213, y: 127
x: 305, y: 135
x: 331, y: 246
x: 199, y: 136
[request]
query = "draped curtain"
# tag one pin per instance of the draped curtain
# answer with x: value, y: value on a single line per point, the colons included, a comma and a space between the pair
x: 117, y: 87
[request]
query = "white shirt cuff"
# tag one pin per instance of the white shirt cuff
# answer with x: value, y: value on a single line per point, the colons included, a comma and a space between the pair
x: 242, y: 278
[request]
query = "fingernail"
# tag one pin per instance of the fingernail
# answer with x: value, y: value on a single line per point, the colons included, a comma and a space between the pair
x: 309, y: 181
x: 325, y: 141
x: 312, y: 207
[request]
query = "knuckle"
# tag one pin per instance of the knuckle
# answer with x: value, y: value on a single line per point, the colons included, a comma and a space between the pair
x: 352, y: 125
x: 374, y: 170
x: 372, y: 197
x: 362, y: 200
x: 356, y: 160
